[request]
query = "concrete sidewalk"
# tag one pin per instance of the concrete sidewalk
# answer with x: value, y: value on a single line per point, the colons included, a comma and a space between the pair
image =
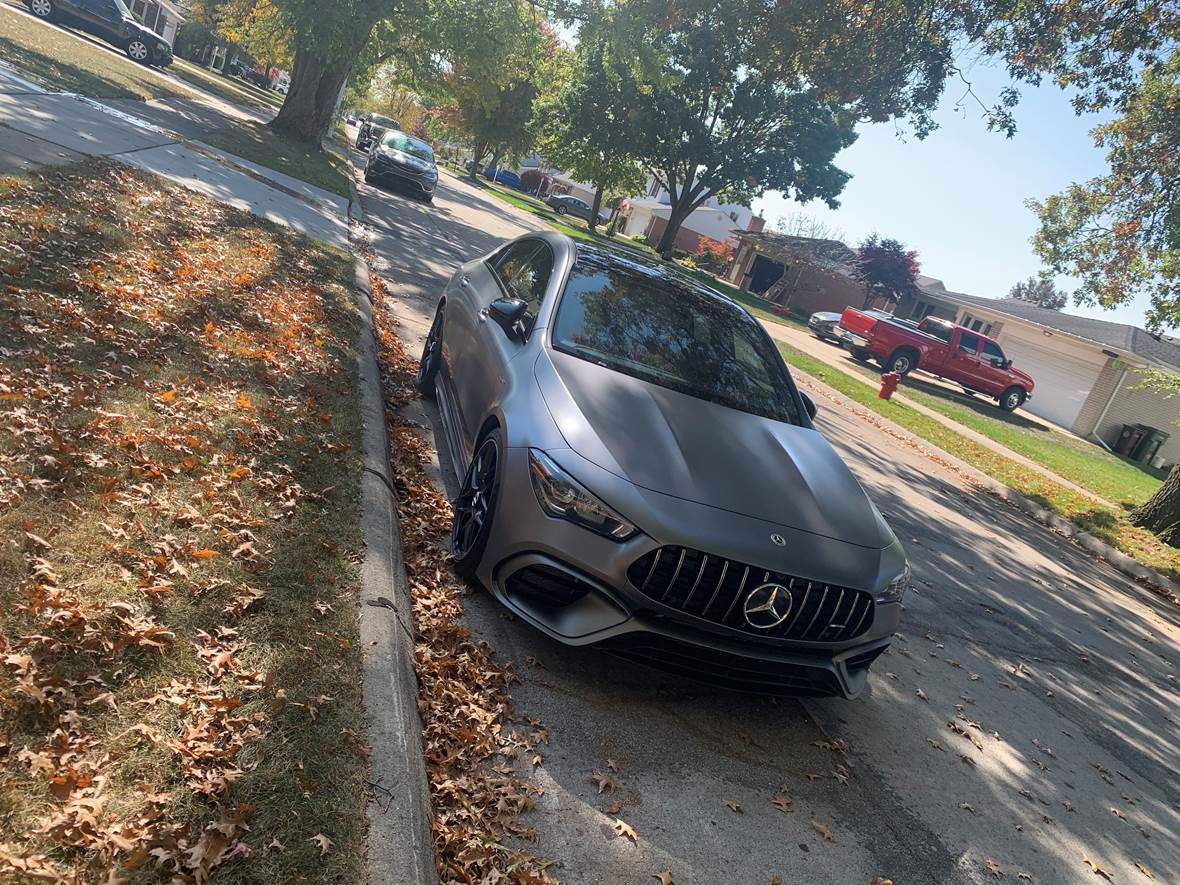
x: 838, y: 359
x: 49, y: 128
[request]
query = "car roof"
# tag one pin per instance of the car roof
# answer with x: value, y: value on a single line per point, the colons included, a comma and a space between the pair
x: 377, y: 118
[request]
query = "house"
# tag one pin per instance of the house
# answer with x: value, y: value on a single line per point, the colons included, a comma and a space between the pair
x: 647, y: 216
x: 162, y: 16
x: 797, y: 272
x: 1087, y: 371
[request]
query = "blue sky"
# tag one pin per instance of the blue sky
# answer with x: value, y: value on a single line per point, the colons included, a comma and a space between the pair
x: 958, y: 197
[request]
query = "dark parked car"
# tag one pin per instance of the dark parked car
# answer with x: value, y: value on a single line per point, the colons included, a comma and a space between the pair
x: 564, y: 204
x: 109, y: 20
x: 503, y: 176
x: 826, y: 326
x: 404, y: 161
x: 373, y: 126
x: 641, y: 473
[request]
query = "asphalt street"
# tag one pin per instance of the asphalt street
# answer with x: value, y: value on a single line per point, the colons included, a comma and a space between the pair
x: 1023, y: 719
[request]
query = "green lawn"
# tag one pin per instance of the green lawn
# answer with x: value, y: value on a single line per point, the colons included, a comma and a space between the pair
x: 60, y: 61
x: 1104, y: 522
x: 1089, y: 465
x: 229, y: 88
x: 262, y: 145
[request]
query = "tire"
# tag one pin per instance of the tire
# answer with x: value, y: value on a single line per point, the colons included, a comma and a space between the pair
x: 138, y: 51
x: 368, y: 177
x: 1012, y: 399
x: 475, y: 507
x: 43, y: 9
x: 902, y: 362
x: 561, y: 210
x: 431, y: 358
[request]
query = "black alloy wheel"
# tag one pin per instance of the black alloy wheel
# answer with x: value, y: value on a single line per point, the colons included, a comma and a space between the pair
x: 475, y: 506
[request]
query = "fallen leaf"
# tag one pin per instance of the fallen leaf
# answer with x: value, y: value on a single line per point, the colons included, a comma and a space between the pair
x: 921, y: 694
x: 781, y: 802
x: 664, y: 876
x: 1144, y: 870
x: 323, y: 841
x: 1027, y: 877
x: 1096, y: 868
x: 994, y: 869
x: 823, y: 830
x: 966, y: 807
x: 625, y: 830
x: 275, y: 845
x: 604, y: 782
x: 734, y: 806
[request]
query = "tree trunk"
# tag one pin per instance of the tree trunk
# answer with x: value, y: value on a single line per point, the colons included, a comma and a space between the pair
x: 316, y: 81
x: 676, y: 217
x: 1161, y: 514
x: 495, y: 161
x: 479, y: 150
x: 592, y: 221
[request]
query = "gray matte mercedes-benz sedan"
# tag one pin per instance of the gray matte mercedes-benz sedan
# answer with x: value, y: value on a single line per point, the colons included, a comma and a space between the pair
x: 643, y: 475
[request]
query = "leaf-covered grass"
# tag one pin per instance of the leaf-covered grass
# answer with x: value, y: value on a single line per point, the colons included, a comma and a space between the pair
x: 262, y: 145
x: 1104, y: 522
x: 229, y: 88
x: 179, y: 471
x: 56, y: 58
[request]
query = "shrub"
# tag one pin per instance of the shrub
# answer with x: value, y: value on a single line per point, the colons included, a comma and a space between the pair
x: 712, y: 256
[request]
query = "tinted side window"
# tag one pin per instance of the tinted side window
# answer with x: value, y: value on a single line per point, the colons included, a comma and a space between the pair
x: 530, y: 282
x: 939, y: 330
x: 510, y: 260
x: 969, y: 342
x: 992, y: 351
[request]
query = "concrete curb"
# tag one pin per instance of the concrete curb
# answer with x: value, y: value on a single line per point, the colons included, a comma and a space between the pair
x: 1133, y: 569
x: 400, y: 846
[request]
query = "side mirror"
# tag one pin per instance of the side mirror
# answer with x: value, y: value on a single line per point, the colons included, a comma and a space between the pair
x: 809, y: 405
x: 508, y: 312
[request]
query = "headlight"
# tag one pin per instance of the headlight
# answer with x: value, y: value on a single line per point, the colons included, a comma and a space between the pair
x: 895, y: 589
x: 561, y: 496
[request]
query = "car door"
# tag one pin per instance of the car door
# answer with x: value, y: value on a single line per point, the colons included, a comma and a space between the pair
x: 993, y: 371
x: 581, y: 209
x: 101, y: 17
x: 476, y: 349
x: 962, y: 365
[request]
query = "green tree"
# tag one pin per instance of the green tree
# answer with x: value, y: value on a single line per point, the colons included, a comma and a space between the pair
x: 886, y: 268
x: 584, y: 129
x: 1040, y: 291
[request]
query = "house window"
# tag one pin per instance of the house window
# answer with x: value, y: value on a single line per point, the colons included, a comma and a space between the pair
x: 976, y: 324
x: 921, y: 310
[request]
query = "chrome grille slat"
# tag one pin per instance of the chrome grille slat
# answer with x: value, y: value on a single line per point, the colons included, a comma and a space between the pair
x: 815, y: 606
x: 651, y: 571
x: 737, y: 595
x: 716, y: 590
x: 819, y: 608
x: 675, y: 574
x: 696, y: 583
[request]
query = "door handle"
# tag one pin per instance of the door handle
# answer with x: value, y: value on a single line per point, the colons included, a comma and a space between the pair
x: 464, y: 281
x: 483, y: 315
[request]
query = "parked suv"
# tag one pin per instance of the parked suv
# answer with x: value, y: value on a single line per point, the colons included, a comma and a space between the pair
x: 109, y: 20
x: 564, y: 204
x: 373, y: 126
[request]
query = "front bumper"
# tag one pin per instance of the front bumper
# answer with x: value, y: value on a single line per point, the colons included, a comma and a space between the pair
x: 572, y: 585
x: 386, y: 170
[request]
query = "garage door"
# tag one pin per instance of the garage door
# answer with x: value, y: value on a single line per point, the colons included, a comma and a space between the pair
x: 1062, y: 382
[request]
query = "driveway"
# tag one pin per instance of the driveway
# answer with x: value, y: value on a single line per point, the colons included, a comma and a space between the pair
x: 1023, y: 718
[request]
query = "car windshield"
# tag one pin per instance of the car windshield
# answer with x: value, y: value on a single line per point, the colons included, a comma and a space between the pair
x: 673, y: 336
x: 399, y: 141
x: 383, y: 122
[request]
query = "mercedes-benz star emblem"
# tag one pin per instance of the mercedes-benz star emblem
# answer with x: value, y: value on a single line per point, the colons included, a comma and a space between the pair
x: 778, y: 540
x: 767, y: 606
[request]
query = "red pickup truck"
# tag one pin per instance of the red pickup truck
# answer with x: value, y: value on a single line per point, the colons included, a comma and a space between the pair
x: 941, y: 348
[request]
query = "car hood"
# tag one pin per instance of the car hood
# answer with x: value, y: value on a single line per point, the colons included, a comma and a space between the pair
x: 825, y: 317
x: 692, y: 449
x: 1024, y: 376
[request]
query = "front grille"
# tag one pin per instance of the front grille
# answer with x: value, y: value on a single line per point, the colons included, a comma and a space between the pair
x: 546, y: 585
x: 714, y: 588
x: 722, y: 668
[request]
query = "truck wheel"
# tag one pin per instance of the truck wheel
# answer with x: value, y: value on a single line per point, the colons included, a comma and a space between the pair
x: 860, y: 354
x: 902, y: 362
x: 1012, y: 399
x: 43, y: 9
